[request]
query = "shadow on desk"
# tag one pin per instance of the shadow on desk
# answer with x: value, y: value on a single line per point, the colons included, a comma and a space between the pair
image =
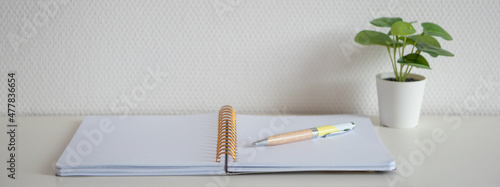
x: 65, y: 133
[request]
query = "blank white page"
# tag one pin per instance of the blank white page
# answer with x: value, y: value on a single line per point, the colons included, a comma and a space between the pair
x: 360, y: 149
x: 143, y: 141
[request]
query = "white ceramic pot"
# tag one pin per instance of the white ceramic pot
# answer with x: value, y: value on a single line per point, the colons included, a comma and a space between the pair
x: 399, y: 103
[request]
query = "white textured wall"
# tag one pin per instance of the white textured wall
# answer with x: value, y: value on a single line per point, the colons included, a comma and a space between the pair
x: 261, y: 56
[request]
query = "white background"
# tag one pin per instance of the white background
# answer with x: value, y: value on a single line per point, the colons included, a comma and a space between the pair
x: 261, y: 56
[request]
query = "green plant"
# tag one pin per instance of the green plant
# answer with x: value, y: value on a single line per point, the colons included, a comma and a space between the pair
x: 399, y: 36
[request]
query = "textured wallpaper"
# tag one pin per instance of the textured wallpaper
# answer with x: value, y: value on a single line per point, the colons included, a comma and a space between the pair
x: 261, y: 56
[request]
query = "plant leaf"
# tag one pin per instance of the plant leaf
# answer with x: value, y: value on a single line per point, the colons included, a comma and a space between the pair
x: 415, y: 60
x: 384, y: 21
x: 433, y: 50
x: 409, y: 41
x: 402, y: 28
x: 436, y: 30
x: 424, y: 39
x: 367, y: 37
x: 400, y: 44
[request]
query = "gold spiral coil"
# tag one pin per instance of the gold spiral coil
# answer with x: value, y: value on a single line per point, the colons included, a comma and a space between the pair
x: 226, y: 141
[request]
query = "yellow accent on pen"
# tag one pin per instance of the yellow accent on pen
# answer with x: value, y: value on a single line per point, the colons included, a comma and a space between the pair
x: 305, y: 134
x: 327, y: 129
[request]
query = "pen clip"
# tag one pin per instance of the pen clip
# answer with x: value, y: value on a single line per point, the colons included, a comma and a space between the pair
x: 337, y: 133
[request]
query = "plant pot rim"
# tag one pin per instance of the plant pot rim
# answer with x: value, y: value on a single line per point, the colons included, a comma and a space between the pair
x: 383, y: 76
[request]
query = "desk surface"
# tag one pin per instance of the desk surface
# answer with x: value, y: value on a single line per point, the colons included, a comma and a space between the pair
x: 441, y: 151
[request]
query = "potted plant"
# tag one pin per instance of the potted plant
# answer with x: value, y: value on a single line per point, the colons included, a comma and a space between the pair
x: 400, y: 92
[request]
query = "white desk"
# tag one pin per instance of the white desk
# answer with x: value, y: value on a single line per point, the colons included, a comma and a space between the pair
x: 465, y: 151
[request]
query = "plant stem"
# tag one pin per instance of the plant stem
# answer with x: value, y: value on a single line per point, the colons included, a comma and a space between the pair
x: 395, y: 50
x: 415, y: 44
x: 390, y: 56
x: 401, y: 73
x: 400, y: 56
x: 397, y: 45
x: 404, y: 45
x: 408, y: 73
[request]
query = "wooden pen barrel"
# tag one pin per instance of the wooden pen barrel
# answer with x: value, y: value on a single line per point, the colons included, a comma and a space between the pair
x: 290, y: 137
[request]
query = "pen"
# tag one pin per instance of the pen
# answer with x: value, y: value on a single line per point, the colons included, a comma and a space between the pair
x: 315, y: 132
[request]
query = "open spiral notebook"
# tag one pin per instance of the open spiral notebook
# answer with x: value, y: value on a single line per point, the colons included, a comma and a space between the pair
x: 211, y: 144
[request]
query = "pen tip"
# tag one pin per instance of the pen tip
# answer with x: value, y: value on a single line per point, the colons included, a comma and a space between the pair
x: 260, y: 143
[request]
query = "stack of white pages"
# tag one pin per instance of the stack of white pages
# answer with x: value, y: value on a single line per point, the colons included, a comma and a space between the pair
x: 187, y: 145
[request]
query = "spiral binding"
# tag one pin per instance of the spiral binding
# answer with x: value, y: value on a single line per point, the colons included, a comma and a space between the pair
x: 226, y: 142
